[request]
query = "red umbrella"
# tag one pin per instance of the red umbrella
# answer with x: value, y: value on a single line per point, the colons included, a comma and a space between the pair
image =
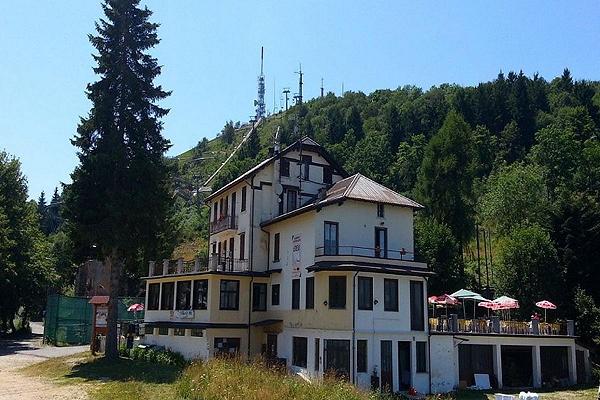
x: 444, y: 299
x: 136, y: 307
x: 546, y: 305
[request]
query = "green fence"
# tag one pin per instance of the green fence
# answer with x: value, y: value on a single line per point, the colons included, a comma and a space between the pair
x: 68, y: 320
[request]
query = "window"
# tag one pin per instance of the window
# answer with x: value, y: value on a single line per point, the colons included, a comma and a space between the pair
x: 292, y: 199
x: 416, y: 306
x: 184, y: 295
x: 285, y: 167
x: 149, y: 330
x: 337, y: 292
x: 243, y: 246
x: 365, y: 293
x: 163, y: 330
x: 276, y: 247
x: 331, y: 238
x: 166, y: 300
x: 221, y: 214
x: 275, y: 294
x: 380, y: 210
x: 215, y: 212
x: 179, y: 332
x: 421, y: 357
x: 310, y: 293
x: 227, y: 346
x: 196, y: 332
x: 306, y: 161
x: 361, y: 356
x: 390, y: 294
x: 299, y: 351
x: 327, y: 178
x: 259, y: 297
x: 381, y: 242
x: 200, y: 294
x: 317, y: 353
x: 295, y: 294
x: 226, y: 206
x: 243, y: 206
x: 153, y: 296
x: 230, y: 295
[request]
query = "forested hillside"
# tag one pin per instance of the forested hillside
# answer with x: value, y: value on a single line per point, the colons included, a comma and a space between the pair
x: 517, y: 158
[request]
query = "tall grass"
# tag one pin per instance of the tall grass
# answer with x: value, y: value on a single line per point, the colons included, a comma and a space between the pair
x: 227, y: 379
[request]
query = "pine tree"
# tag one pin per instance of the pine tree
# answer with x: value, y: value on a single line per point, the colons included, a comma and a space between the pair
x: 119, y: 197
x: 228, y: 132
x: 43, y: 212
x: 53, y: 218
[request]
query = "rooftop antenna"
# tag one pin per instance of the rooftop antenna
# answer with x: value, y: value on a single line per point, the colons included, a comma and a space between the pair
x: 260, y: 102
x: 321, y: 87
x: 342, y: 89
x: 298, y: 97
x: 286, y: 91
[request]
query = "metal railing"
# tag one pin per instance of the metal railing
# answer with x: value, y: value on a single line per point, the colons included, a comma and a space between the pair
x: 360, y: 251
x: 224, y: 223
x: 494, y: 325
x: 218, y: 262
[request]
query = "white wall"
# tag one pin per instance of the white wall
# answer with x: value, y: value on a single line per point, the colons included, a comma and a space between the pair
x: 191, y: 347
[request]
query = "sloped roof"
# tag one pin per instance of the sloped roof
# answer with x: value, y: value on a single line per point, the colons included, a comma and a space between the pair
x: 359, y: 187
x: 304, y: 141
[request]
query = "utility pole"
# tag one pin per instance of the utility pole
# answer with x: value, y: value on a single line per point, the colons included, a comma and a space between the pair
x: 322, y: 87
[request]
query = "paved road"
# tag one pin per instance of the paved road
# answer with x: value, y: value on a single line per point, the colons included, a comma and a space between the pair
x: 16, y: 354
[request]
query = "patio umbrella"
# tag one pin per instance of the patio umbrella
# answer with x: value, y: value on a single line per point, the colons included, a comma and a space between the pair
x: 135, y: 308
x: 465, y: 294
x: 546, y: 305
x: 444, y: 299
x: 506, y: 303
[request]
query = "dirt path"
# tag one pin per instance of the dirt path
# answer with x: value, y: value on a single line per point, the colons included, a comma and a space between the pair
x: 16, y: 354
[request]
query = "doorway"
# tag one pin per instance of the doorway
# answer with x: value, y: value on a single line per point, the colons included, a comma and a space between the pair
x: 381, y: 242
x: 404, y: 370
x: 517, y: 366
x: 337, y: 358
x: 271, y: 345
x: 387, y: 373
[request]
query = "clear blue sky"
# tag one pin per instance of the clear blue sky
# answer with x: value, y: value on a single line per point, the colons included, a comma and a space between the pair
x: 210, y: 52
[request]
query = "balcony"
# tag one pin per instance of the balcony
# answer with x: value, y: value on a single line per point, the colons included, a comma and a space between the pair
x: 224, y: 223
x: 495, y: 326
x: 215, y: 262
x: 367, y: 255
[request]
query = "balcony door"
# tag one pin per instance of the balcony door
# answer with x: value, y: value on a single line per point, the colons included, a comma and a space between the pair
x: 404, y: 370
x: 331, y: 239
x: 233, y: 201
x: 381, y: 242
x: 387, y: 377
x: 231, y: 252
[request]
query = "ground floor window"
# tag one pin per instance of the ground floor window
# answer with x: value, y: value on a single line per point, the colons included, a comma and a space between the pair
x: 153, y: 296
x: 227, y: 346
x: 259, y: 297
x: 337, y: 357
x: 163, y: 330
x: 317, y: 353
x: 361, y: 356
x: 196, y: 332
x: 167, y: 296
x: 179, y: 332
x: 230, y: 295
x: 149, y: 330
x: 184, y: 295
x: 299, y: 351
x: 421, y: 356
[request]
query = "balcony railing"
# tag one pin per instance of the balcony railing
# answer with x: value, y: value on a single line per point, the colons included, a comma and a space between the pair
x: 359, y: 251
x: 494, y: 325
x: 215, y: 262
x: 224, y: 223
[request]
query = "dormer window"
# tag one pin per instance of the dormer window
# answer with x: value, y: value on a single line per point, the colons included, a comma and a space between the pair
x: 380, y: 210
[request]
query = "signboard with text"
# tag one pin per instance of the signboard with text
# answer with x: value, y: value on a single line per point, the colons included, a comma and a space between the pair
x: 296, y: 255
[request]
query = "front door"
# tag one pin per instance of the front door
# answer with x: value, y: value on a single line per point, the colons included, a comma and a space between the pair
x: 381, y: 242
x: 337, y: 357
x: 387, y: 378
x: 404, y: 365
x: 271, y: 345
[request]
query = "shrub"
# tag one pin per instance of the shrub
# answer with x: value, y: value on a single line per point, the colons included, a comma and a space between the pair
x: 158, y: 355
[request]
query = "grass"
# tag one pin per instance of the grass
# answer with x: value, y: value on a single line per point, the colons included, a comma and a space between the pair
x: 218, y: 379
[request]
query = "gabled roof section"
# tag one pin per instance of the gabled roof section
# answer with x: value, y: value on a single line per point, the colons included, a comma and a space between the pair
x: 306, y: 143
x: 355, y: 187
x: 359, y: 187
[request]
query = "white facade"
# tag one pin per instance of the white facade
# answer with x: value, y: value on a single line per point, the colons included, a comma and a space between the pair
x: 316, y: 269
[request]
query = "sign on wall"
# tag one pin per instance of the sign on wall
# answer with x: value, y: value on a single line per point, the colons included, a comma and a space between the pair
x: 182, y: 314
x: 101, y: 314
x: 296, y: 255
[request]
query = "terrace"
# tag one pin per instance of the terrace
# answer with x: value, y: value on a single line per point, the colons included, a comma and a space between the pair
x: 216, y: 262
x: 370, y: 255
x: 224, y: 223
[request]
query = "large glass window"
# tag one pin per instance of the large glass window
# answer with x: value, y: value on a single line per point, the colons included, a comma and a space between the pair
x: 361, y: 356
x: 299, y: 351
x: 337, y: 292
x: 417, y: 322
x: 243, y: 246
x: 184, y: 295
x: 275, y: 294
x: 153, y: 296
x: 167, y: 298
x: 365, y: 293
x: 200, y: 294
x: 390, y: 294
x: 259, y: 297
x: 230, y: 295
x: 310, y: 293
x: 292, y: 200
x: 295, y: 294
x: 330, y: 238
x: 381, y: 242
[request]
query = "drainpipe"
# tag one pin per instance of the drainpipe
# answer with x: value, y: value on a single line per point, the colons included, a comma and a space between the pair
x: 353, y: 361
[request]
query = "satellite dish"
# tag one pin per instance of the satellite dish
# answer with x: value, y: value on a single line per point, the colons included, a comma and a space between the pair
x: 278, y: 189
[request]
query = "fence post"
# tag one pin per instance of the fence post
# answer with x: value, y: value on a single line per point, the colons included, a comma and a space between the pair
x: 151, y: 265
x: 535, y: 326
x: 453, y: 323
x: 165, y: 267
x: 495, y: 324
x: 570, y: 327
x: 179, y: 265
x: 197, y: 264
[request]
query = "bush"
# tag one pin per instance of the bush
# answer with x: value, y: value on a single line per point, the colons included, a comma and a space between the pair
x: 157, y: 355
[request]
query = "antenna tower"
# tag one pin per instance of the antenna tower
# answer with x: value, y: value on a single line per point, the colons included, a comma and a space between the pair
x: 298, y: 97
x: 321, y: 87
x: 286, y: 91
x: 260, y: 102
